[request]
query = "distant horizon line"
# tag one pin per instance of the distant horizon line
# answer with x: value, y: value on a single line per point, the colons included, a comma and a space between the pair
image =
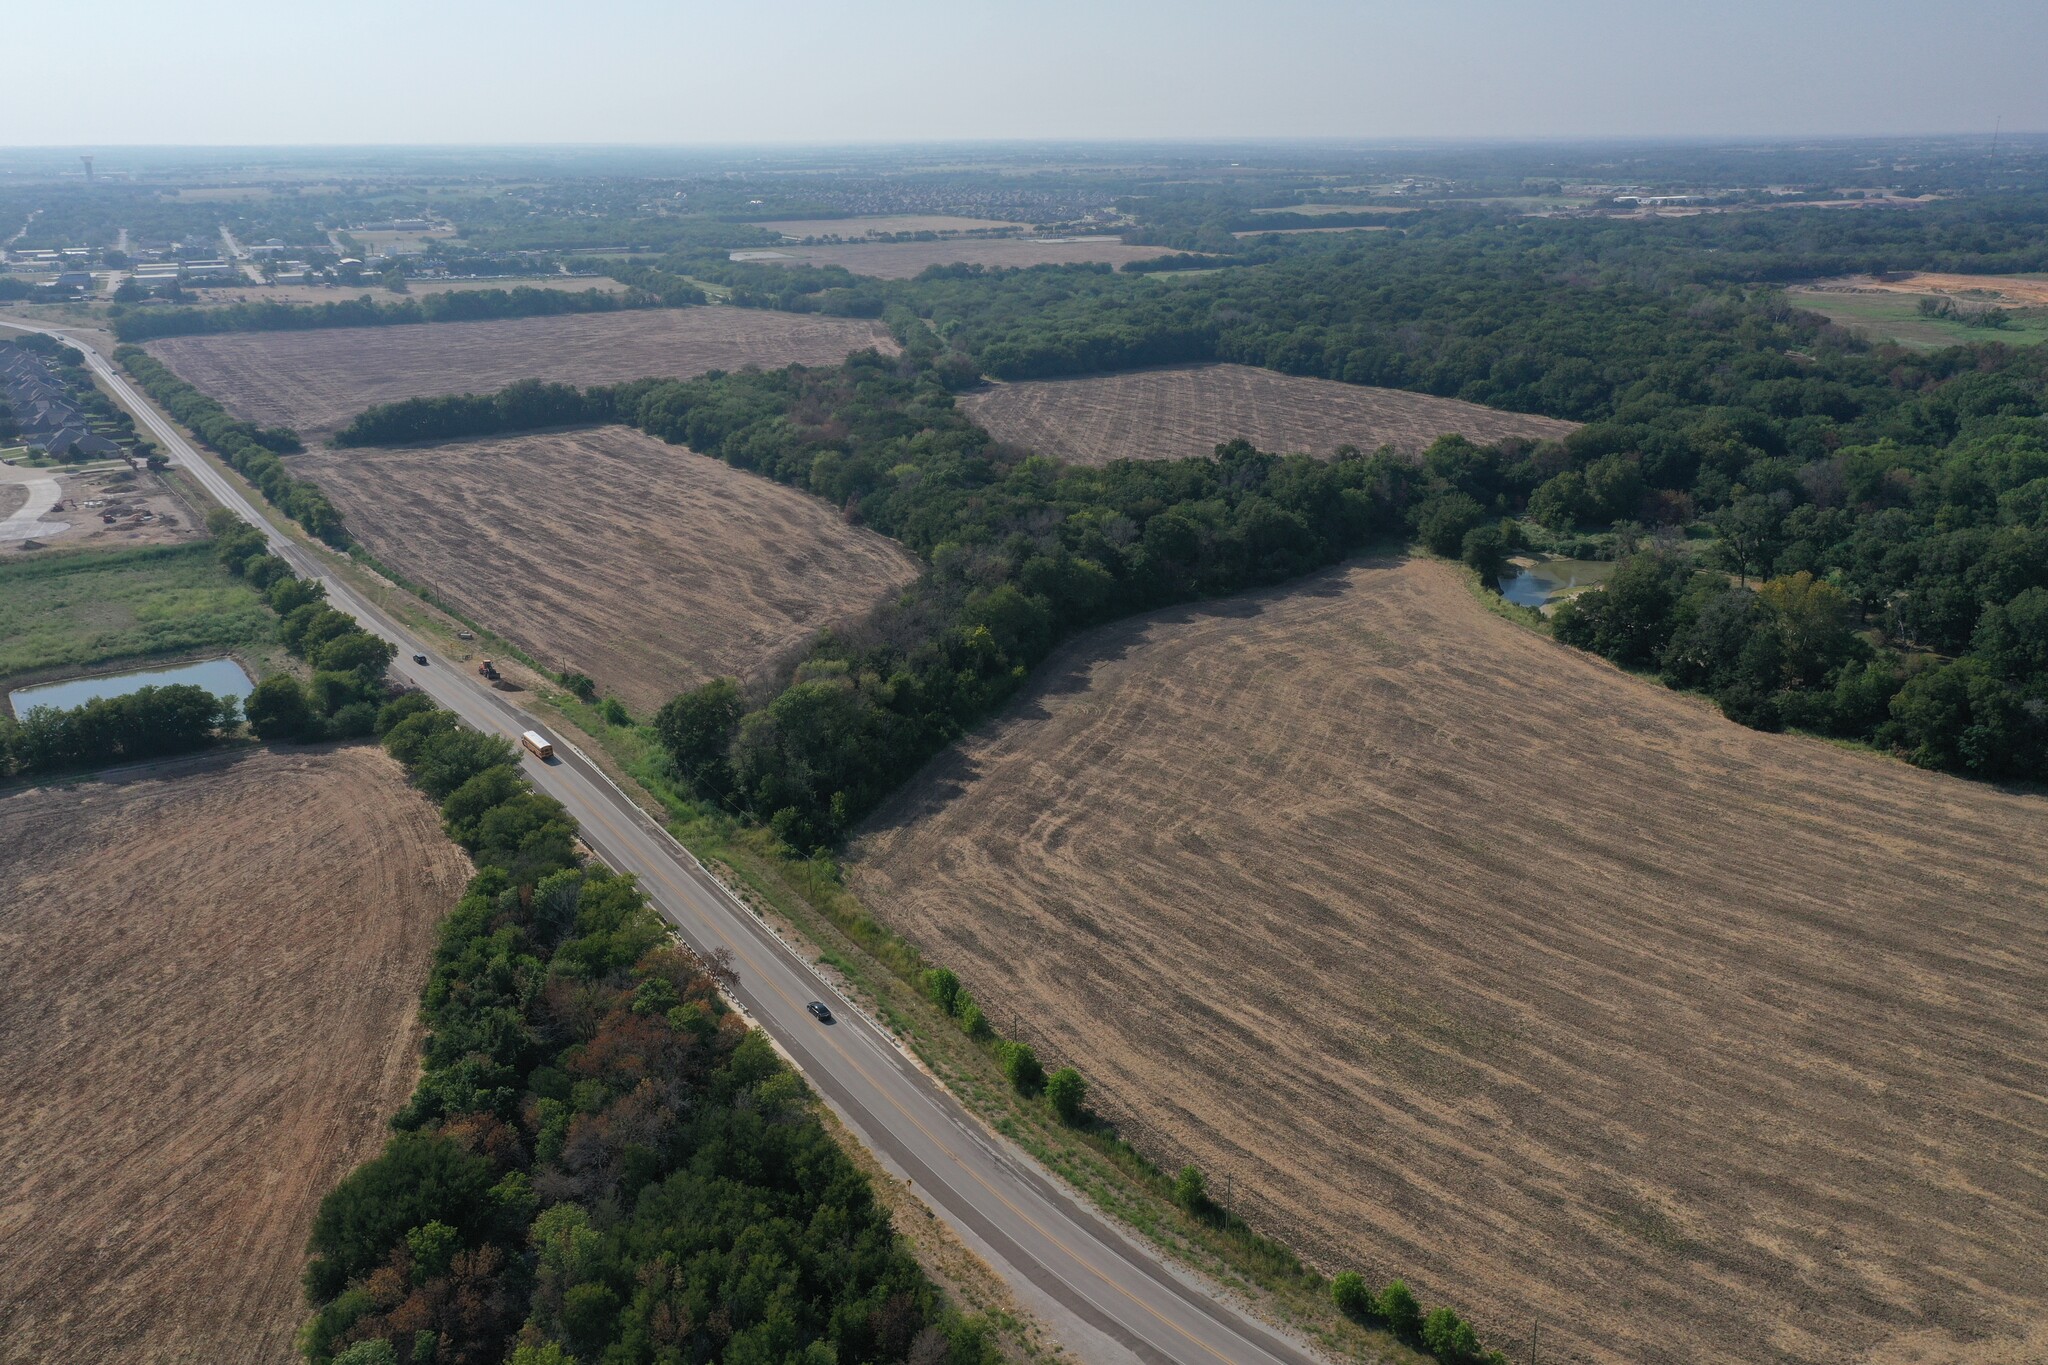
x: 1105, y: 140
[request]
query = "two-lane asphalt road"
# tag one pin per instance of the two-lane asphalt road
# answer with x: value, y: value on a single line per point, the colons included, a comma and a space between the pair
x: 1108, y: 1298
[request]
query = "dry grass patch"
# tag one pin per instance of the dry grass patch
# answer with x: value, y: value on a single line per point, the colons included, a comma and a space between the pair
x: 1453, y: 953
x: 904, y: 260
x: 645, y: 565
x: 315, y: 381
x: 1172, y: 413
x: 208, y: 986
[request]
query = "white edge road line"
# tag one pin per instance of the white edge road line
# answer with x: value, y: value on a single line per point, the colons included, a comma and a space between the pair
x: 1212, y: 1307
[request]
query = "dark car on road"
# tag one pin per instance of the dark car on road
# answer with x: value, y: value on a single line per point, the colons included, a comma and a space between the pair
x: 817, y: 1007
x: 419, y: 658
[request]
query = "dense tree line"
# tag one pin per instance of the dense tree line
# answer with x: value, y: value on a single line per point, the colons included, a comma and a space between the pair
x: 152, y: 722
x: 460, y: 305
x: 601, y: 1161
x: 250, y: 450
x: 348, y: 663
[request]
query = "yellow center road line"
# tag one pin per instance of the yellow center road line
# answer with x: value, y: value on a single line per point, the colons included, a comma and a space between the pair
x: 763, y: 977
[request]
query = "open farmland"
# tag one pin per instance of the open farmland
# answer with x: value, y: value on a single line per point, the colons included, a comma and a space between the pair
x: 341, y: 293
x: 1461, y: 955
x: 1171, y: 413
x: 873, y: 224
x: 904, y: 260
x: 315, y: 381
x: 211, y: 969
x: 645, y: 565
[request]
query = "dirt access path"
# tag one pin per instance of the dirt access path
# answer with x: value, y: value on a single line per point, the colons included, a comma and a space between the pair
x: 1449, y: 952
x: 209, y: 971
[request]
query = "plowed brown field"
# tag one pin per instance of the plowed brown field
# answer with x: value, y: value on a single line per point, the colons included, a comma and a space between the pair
x: 1169, y: 414
x: 208, y: 976
x: 315, y: 381
x: 645, y: 565
x: 1453, y: 953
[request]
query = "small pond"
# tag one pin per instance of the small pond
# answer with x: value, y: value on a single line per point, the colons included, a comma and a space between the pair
x: 1546, y: 580
x: 222, y: 677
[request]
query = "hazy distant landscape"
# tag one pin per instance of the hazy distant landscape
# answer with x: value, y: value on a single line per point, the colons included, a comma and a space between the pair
x: 1316, y: 686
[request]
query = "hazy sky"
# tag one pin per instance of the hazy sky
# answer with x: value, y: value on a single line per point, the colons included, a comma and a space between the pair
x: 516, y: 71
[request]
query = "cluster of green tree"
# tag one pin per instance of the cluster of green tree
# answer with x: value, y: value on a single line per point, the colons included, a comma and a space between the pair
x: 348, y: 663
x: 831, y: 290
x: 674, y: 291
x: 252, y: 451
x: 153, y: 722
x: 601, y: 1161
x: 1441, y: 1332
x: 460, y: 305
x: 12, y: 289
x: 528, y: 405
x: 1948, y: 310
x: 1790, y: 652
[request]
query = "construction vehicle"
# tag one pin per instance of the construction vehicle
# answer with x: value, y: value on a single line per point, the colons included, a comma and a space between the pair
x: 488, y: 670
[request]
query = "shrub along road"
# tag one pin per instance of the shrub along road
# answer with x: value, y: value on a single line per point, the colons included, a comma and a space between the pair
x: 1105, y: 1296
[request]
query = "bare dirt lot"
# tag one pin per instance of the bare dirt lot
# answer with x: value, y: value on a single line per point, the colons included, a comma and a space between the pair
x: 645, y: 565
x: 208, y: 977
x: 316, y: 381
x: 903, y: 260
x: 1457, y: 954
x: 144, y: 509
x: 1169, y: 414
x: 2020, y: 290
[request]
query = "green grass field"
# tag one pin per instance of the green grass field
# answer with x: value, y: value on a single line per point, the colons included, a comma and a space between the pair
x: 1897, y: 317
x: 90, y: 608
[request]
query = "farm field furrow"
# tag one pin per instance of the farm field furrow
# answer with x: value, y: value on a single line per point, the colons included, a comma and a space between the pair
x: 1172, y: 413
x: 905, y: 260
x: 211, y: 972
x: 1451, y: 953
x: 316, y: 380
x: 645, y: 565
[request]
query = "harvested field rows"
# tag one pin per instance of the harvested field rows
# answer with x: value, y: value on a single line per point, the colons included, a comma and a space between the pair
x: 315, y: 381
x: 1169, y: 414
x: 1463, y: 956
x: 645, y: 565
x: 904, y: 260
x: 208, y: 977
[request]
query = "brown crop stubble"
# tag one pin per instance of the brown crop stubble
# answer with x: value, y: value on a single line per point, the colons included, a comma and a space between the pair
x: 1170, y: 414
x: 1461, y: 955
x: 645, y: 565
x: 209, y: 972
x: 316, y: 381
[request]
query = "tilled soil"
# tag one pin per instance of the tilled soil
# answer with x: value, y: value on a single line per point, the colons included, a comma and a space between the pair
x: 209, y: 972
x: 1170, y: 414
x: 647, y: 566
x: 1452, y: 953
x: 316, y: 381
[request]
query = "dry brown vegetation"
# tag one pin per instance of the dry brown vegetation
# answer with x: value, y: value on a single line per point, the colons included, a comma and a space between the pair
x: 1453, y: 953
x: 645, y: 565
x: 1169, y: 414
x: 903, y: 260
x: 207, y: 991
x: 2020, y: 290
x: 315, y: 381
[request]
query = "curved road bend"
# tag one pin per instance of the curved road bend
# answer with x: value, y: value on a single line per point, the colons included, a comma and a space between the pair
x: 1104, y: 1295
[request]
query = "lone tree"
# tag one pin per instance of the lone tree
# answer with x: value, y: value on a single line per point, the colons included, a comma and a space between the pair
x: 1067, y: 1091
